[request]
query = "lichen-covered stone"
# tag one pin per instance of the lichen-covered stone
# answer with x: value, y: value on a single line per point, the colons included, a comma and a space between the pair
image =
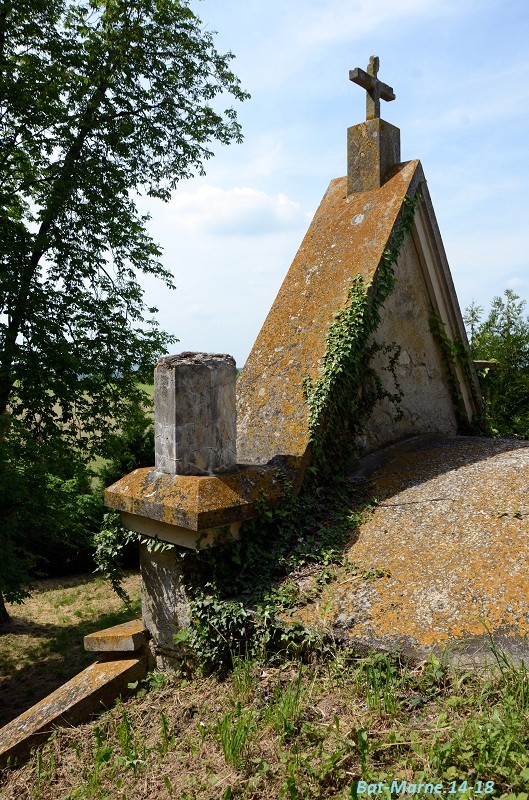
x: 348, y: 237
x: 427, y: 404
x: 87, y: 693
x: 200, y: 502
x: 446, y: 548
x: 124, y: 638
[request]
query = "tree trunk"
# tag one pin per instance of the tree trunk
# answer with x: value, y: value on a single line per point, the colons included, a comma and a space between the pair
x: 4, y: 616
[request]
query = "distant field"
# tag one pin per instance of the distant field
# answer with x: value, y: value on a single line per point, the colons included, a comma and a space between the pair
x: 147, y: 388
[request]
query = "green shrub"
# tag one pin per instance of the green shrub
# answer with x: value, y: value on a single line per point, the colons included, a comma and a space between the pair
x: 503, y: 337
x: 48, y: 511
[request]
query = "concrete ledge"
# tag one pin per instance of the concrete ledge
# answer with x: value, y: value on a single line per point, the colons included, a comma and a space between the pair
x: 202, y: 502
x: 89, y: 692
x: 176, y: 534
x: 125, y: 638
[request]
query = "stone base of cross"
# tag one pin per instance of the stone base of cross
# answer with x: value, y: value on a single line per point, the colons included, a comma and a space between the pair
x: 373, y: 147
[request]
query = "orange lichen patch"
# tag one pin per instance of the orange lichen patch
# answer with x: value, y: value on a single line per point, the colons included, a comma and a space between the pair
x: 92, y: 689
x: 127, y: 637
x: 347, y: 237
x: 200, y: 502
x: 449, y: 537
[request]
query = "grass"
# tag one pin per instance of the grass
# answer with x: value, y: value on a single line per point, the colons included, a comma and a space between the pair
x: 276, y: 726
x: 43, y: 647
x: 285, y: 730
x: 148, y: 388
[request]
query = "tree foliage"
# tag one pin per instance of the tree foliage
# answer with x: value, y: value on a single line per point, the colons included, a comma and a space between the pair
x: 49, y: 513
x: 130, y: 448
x: 503, y: 337
x: 99, y: 100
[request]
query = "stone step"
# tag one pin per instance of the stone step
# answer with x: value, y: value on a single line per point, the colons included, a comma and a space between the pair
x: 125, y: 638
x: 89, y: 692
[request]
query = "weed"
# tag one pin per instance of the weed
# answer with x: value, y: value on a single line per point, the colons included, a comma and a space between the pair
x: 45, y: 765
x: 287, y: 707
x: 167, y: 737
x: 91, y: 773
x: 515, y: 675
x: 234, y: 732
x: 380, y: 677
x: 290, y: 789
x: 133, y: 755
x: 243, y: 679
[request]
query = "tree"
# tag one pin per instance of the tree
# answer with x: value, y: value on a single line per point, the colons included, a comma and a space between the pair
x: 48, y: 510
x: 503, y: 337
x: 100, y: 100
x: 131, y: 448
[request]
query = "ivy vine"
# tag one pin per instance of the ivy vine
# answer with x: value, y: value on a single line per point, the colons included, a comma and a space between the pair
x: 341, y: 401
x: 455, y: 352
x: 237, y: 591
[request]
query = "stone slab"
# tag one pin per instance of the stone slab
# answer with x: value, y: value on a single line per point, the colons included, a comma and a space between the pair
x: 200, y: 502
x: 176, y: 534
x: 449, y: 540
x: 124, y: 638
x: 89, y: 692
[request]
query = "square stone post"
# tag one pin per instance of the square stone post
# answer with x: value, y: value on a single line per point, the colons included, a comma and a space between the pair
x: 195, y: 434
x: 373, y: 148
x: 194, y: 414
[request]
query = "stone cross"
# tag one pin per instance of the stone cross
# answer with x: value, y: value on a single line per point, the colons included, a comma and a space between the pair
x: 375, y: 89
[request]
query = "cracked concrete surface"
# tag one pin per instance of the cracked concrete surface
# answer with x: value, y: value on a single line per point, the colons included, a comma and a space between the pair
x: 450, y: 540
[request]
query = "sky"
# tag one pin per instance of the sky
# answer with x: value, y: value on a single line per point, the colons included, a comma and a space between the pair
x: 460, y: 72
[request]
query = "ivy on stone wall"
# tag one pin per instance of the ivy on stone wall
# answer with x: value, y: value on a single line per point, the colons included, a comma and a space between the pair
x: 456, y: 352
x: 237, y: 592
x: 341, y: 401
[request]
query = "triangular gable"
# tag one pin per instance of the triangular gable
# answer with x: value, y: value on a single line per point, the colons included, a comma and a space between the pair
x: 347, y: 237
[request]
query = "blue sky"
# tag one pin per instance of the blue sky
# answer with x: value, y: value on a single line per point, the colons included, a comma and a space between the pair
x: 460, y: 72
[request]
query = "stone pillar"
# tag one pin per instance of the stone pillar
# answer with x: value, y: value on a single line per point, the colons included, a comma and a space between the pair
x: 195, y: 419
x: 164, y: 603
x: 195, y: 434
x: 373, y: 148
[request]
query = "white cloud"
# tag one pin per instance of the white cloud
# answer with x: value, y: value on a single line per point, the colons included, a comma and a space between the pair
x: 229, y: 212
x: 517, y: 283
x: 280, y: 42
x: 338, y: 21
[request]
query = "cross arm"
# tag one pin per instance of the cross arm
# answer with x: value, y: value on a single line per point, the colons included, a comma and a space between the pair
x: 368, y: 83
